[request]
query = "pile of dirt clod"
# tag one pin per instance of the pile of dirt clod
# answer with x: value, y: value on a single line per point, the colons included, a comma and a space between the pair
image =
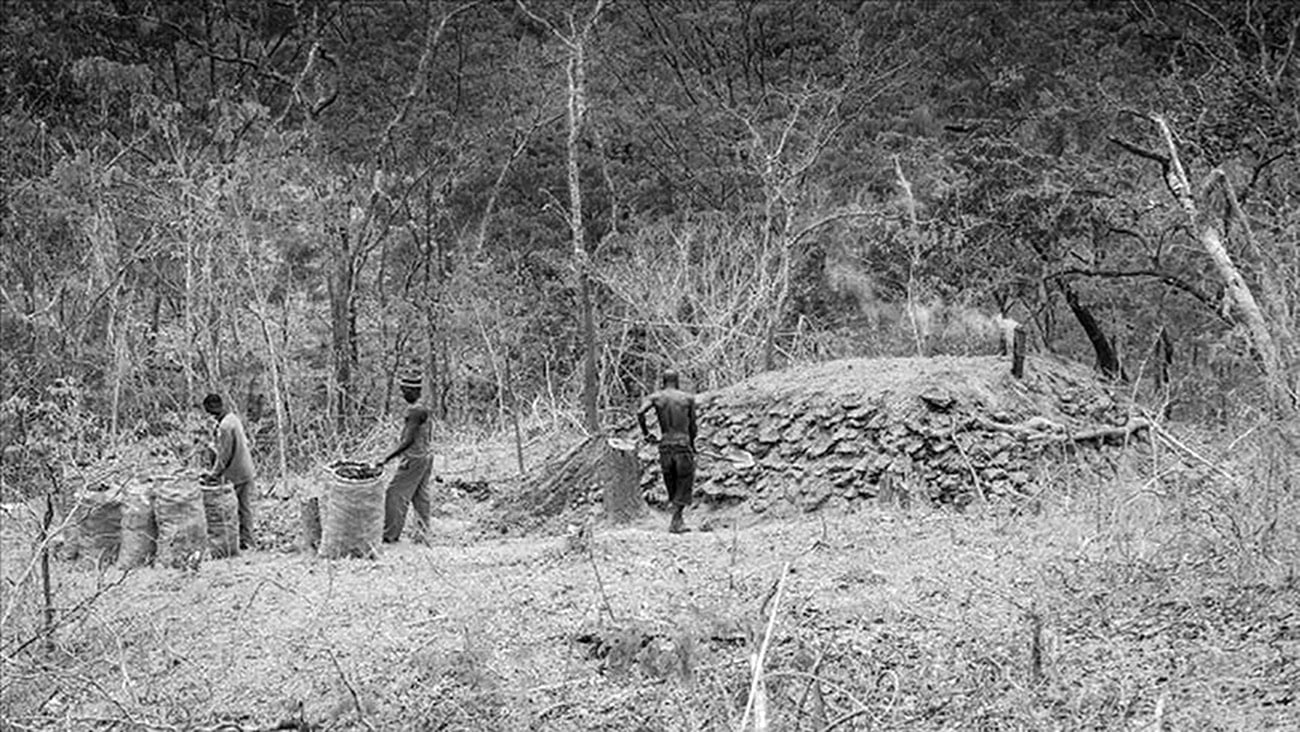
x: 944, y: 429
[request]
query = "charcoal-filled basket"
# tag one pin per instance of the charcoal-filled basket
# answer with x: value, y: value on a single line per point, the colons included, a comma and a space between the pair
x: 182, y: 527
x: 352, y: 522
x: 139, y: 530
x: 97, y: 523
x: 221, y: 514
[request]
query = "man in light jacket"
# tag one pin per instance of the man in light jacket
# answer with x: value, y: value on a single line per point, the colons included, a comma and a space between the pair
x: 234, y: 463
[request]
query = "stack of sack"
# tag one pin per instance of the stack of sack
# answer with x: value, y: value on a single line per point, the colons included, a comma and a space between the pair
x: 172, y: 519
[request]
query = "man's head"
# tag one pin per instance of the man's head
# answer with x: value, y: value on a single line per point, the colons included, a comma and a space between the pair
x: 671, y: 380
x: 411, y: 384
x: 213, y: 405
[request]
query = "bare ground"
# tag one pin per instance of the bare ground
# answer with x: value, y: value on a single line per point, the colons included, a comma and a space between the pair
x: 886, y: 620
x: 1164, y: 598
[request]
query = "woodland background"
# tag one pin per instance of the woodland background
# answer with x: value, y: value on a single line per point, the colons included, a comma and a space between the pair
x: 543, y: 204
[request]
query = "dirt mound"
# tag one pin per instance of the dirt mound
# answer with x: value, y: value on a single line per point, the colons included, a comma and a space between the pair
x: 944, y: 429
x: 592, y: 472
x: 947, y: 429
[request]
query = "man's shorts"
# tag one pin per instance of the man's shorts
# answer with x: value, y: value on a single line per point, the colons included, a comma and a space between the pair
x: 678, y: 465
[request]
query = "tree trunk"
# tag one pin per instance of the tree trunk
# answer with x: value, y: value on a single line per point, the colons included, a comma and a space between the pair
x: 343, y: 329
x: 1107, y: 358
x: 1270, y: 357
x: 577, y: 108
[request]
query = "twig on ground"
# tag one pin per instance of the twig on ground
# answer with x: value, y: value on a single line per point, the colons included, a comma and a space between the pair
x: 813, y: 677
x: 757, y: 703
x: 356, y: 698
x: 253, y: 595
x: 600, y: 584
x: 68, y: 616
x: 1175, y: 442
x: 595, y: 678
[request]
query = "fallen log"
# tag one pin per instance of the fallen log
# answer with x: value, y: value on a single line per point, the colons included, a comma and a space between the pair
x: 1133, y: 427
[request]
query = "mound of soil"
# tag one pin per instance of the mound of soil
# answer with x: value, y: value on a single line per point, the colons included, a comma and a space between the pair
x: 944, y: 429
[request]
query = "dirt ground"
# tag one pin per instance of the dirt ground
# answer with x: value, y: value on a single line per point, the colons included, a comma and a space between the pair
x: 1154, y: 598
x: 886, y: 619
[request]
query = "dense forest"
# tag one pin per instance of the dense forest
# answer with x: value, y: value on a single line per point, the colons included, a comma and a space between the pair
x: 544, y: 203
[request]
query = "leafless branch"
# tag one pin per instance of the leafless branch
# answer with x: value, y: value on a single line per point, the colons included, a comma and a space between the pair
x: 431, y: 38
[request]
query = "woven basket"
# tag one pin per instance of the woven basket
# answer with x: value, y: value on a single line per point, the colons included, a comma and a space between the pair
x: 182, y: 529
x: 97, y: 518
x: 139, y: 530
x: 353, y: 524
x: 221, y: 514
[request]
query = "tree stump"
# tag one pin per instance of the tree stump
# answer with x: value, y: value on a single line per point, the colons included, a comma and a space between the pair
x: 620, y: 482
x: 1018, y: 352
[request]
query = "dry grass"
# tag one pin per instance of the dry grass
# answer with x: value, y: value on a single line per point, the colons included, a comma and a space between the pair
x: 1166, y: 599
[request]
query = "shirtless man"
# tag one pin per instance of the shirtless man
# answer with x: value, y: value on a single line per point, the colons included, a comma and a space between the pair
x: 675, y: 410
x: 410, y: 485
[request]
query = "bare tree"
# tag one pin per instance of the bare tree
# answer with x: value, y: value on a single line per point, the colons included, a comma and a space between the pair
x: 576, y: 43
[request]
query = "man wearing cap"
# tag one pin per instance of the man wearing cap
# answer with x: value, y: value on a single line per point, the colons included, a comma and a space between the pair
x: 675, y: 410
x: 233, y: 463
x: 410, y: 486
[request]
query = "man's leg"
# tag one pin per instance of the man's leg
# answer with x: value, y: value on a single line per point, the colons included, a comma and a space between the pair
x: 668, y: 466
x: 244, y: 496
x: 421, y: 499
x: 396, y: 499
x: 685, y: 479
x: 683, y: 483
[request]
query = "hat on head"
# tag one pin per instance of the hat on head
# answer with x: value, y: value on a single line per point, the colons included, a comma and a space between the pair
x: 411, y: 380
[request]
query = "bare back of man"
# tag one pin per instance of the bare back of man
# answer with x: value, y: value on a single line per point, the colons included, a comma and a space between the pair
x: 675, y: 411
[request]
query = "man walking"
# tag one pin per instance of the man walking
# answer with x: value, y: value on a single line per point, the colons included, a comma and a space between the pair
x: 410, y: 486
x: 675, y: 410
x: 233, y: 463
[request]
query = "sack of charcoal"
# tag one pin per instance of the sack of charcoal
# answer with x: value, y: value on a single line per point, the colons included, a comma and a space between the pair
x: 353, y: 514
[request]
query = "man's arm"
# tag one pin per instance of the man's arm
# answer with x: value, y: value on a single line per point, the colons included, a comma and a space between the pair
x: 646, y: 405
x: 691, y: 425
x: 409, y: 430
x: 225, y: 448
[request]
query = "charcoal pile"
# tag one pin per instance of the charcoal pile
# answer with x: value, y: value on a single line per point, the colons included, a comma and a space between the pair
x: 946, y: 430
x: 599, y: 471
x: 356, y: 471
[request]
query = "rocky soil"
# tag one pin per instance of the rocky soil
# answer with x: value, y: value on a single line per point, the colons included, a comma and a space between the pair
x: 949, y: 430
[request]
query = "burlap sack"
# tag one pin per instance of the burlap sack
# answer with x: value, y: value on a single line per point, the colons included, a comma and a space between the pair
x: 221, y: 513
x: 182, y: 529
x: 139, y: 530
x: 97, y: 522
x: 353, y: 524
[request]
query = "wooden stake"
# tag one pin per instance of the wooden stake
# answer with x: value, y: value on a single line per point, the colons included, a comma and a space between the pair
x: 1018, y: 352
